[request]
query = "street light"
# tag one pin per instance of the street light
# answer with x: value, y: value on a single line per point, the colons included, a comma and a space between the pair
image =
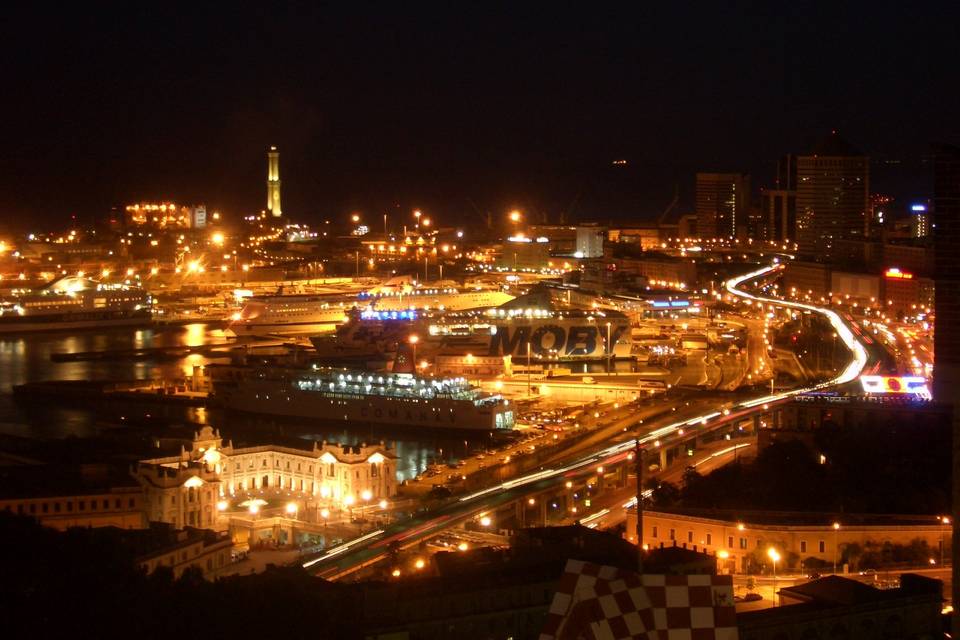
x: 515, y: 216
x: 413, y: 340
x: 945, y: 521
x: 291, y: 508
x: 836, y: 545
x: 772, y: 553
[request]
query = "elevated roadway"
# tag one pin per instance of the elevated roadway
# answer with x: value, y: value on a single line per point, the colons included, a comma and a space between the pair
x: 351, y: 556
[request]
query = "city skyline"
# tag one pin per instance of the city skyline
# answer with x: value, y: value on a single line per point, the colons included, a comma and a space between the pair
x: 417, y: 111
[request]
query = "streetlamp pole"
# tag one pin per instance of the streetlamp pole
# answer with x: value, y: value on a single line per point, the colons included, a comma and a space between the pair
x: 836, y: 545
x: 638, y: 463
x: 609, y: 348
x: 774, y: 556
x: 528, y: 366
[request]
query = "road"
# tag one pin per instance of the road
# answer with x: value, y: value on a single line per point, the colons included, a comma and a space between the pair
x: 355, y: 554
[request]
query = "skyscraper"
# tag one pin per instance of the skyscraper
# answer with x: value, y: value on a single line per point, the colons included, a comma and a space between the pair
x: 722, y: 200
x: 273, y: 182
x: 833, y: 197
x: 946, y: 369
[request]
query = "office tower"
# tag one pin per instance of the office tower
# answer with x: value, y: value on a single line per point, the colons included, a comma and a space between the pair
x: 919, y: 221
x: 946, y: 369
x: 833, y: 189
x: 722, y: 200
x: 779, y: 207
x: 273, y: 182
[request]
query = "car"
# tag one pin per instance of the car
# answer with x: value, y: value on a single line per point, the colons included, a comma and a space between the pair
x: 752, y: 597
x: 814, y: 576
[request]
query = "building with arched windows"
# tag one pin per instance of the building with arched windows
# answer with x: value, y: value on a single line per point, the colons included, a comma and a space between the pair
x: 190, y: 488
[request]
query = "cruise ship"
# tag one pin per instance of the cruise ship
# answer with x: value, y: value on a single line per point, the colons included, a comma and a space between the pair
x: 388, y: 399
x: 306, y: 315
x: 445, y: 299
x: 289, y: 315
x: 75, y: 303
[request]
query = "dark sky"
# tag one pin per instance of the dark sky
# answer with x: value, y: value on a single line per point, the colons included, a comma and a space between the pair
x: 455, y: 108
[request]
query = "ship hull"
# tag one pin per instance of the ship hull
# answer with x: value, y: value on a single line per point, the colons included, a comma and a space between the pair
x: 438, y: 415
x: 73, y: 321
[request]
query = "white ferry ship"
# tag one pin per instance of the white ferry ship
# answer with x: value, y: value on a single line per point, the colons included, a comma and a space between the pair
x: 389, y: 399
x: 289, y: 315
x: 427, y: 299
x: 75, y: 303
x: 306, y: 315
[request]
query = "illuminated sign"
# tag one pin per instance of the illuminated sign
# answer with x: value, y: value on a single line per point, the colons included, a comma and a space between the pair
x: 918, y: 207
x: 915, y: 385
x: 662, y: 304
x: 896, y: 274
x: 553, y: 340
x: 389, y: 315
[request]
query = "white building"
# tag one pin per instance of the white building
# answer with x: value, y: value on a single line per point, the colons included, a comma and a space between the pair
x: 189, y: 489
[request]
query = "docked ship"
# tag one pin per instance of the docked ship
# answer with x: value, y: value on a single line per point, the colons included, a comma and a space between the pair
x: 75, y: 303
x: 440, y: 299
x: 388, y: 399
x: 312, y: 314
x: 289, y: 315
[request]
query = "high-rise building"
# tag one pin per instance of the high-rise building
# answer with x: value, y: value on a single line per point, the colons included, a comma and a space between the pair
x: 273, y: 182
x: 590, y: 239
x: 946, y: 369
x: 919, y: 221
x: 722, y: 200
x: 779, y: 207
x: 833, y: 189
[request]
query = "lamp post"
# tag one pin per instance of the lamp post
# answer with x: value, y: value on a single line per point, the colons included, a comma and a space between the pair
x: 413, y: 340
x: 774, y: 556
x: 609, y: 348
x: 836, y: 545
x: 944, y: 521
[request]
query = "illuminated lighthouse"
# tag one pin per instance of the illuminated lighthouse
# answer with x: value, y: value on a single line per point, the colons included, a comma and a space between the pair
x: 273, y: 182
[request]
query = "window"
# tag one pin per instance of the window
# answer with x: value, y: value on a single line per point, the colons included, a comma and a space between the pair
x: 823, y: 546
x: 116, y: 503
x: 331, y: 472
x: 56, y: 507
x: 803, y: 546
x: 743, y: 543
x: 673, y: 534
x: 33, y: 508
x: 730, y: 541
x: 654, y: 531
x: 689, y: 536
x: 44, y: 507
x: 131, y: 502
x: 373, y: 470
x: 106, y: 504
x: 69, y: 506
x: 709, y: 539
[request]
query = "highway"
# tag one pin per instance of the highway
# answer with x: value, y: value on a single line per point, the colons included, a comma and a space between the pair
x: 348, y: 557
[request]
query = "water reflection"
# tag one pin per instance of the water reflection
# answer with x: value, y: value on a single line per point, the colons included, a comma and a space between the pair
x: 27, y: 359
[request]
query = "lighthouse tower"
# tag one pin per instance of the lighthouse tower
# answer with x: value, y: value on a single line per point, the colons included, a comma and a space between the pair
x: 273, y: 182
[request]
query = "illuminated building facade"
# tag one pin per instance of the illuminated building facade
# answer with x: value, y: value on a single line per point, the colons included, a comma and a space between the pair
x: 273, y: 182
x: 833, y: 188
x: 185, y: 490
x: 166, y: 214
x: 721, y: 201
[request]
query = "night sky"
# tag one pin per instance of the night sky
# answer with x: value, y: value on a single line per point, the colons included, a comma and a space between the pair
x: 457, y: 109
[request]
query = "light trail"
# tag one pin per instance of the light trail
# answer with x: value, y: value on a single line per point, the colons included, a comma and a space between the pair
x: 852, y: 371
x: 341, y: 548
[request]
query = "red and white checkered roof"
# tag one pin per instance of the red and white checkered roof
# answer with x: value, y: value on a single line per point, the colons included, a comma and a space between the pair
x: 596, y: 602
